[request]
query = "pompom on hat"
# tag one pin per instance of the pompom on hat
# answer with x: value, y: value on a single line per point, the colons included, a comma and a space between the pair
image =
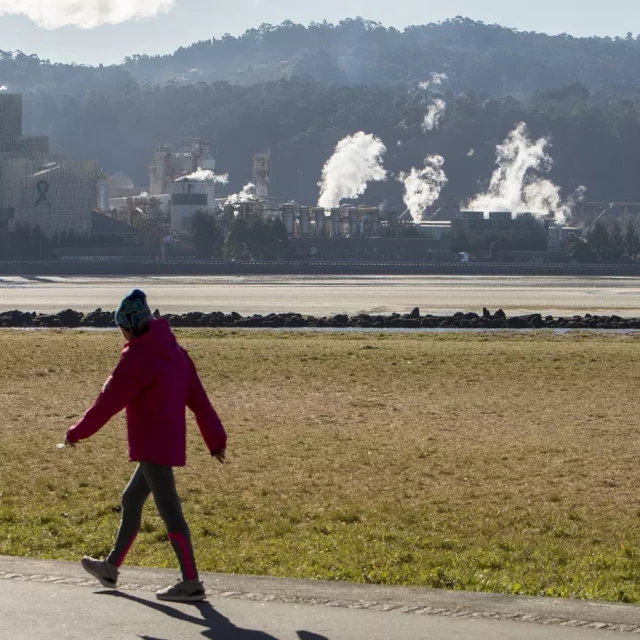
x: 133, y: 311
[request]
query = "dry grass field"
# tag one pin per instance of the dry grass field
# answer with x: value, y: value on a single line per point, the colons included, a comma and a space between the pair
x: 494, y: 462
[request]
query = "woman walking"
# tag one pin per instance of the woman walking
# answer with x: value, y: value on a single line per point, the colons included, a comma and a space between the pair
x: 154, y: 381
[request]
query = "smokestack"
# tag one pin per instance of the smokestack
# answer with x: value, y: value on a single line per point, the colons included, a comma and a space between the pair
x: 320, y: 219
x: 393, y: 218
x: 375, y: 222
x: 336, y: 223
x: 287, y: 213
x: 10, y: 116
x: 103, y: 195
x: 353, y: 216
x: 305, y: 221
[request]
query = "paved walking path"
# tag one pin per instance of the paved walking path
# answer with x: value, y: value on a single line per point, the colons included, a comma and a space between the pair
x: 55, y: 601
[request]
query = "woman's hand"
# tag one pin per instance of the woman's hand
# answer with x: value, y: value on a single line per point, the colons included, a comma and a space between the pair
x: 66, y: 443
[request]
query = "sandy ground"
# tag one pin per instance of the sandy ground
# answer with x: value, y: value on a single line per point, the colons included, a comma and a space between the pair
x: 326, y: 295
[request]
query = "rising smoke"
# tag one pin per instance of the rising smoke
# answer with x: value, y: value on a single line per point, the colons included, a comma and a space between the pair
x: 422, y: 187
x: 86, y: 14
x: 356, y: 161
x: 436, y: 80
x: 434, y: 115
x: 515, y: 185
x: 205, y: 175
x: 438, y: 106
x: 248, y: 194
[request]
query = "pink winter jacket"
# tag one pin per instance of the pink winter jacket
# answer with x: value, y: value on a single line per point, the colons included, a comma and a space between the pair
x: 155, y: 381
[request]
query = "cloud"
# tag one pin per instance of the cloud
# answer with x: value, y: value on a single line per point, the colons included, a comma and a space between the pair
x: 86, y: 14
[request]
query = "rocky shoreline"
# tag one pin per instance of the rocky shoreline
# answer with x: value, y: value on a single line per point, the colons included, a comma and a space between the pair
x: 414, y: 320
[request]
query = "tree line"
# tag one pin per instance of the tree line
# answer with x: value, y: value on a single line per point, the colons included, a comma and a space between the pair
x: 594, y: 143
x: 608, y: 243
x: 475, y: 56
x: 246, y: 238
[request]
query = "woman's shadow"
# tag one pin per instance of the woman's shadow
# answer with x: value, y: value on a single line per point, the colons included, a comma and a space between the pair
x: 216, y: 626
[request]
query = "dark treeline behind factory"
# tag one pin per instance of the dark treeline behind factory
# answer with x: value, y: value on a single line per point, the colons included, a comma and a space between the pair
x: 299, y: 90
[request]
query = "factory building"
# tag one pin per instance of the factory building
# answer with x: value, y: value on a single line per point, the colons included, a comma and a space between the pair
x: 51, y: 192
x: 56, y: 195
x: 6, y: 215
x: 343, y: 222
x: 188, y: 196
x: 501, y: 225
x: 434, y: 230
x: 168, y: 165
x: 184, y: 180
x: 361, y: 234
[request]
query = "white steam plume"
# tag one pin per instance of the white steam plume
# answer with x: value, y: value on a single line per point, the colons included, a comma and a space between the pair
x: 422, y: 187
x: 434, y: 115
x: 514, y: 185
x: 356, y: 161
x: 248, y: 194
x: 471, y: 153
x: 437, y: 80
x: 86, y: 14
x: 206, y: 175
x: 438, y: 106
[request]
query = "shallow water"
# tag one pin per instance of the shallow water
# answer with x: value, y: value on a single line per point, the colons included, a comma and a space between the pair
x: 323, y: 295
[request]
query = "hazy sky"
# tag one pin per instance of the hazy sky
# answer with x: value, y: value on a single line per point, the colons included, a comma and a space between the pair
x: 192, y: 20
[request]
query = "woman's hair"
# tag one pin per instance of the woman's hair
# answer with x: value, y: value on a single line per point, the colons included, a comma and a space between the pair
x: 139, y: 331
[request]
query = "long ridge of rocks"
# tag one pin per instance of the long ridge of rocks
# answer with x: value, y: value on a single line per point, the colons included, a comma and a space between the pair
x: 414, y: 320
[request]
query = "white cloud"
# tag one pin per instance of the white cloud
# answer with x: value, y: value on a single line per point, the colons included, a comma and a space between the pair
x: 86, y: 14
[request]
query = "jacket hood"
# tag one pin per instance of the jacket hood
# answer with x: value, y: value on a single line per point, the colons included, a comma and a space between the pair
x: 159, y: 340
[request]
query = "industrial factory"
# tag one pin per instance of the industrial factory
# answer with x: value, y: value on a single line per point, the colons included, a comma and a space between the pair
x: 62, y: 196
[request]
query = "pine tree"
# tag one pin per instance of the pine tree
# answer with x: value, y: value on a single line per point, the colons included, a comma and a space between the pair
x: 631, y: 241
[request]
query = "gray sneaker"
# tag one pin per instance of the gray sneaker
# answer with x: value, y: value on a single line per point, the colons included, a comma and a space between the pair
x: 106, y: 574
x: 183, y: 591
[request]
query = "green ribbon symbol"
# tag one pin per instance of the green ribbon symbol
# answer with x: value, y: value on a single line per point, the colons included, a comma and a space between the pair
x: 42, y: 188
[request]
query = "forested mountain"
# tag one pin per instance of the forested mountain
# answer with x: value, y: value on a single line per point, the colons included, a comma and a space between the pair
x: 474, y: 55
x: 299, y: 90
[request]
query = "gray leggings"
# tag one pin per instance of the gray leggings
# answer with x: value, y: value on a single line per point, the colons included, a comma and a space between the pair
x: 158, y: 480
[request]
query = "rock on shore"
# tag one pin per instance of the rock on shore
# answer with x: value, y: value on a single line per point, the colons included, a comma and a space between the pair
x: 413, y: 320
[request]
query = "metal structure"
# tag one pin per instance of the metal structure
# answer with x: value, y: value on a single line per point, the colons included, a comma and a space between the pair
x: 262, y: 174
x: 188, y: 196
x: 340, y: 222
x: 168, y: 165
